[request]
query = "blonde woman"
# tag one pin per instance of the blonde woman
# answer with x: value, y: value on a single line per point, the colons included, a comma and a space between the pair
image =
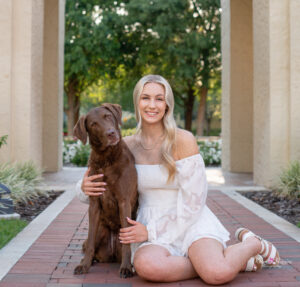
x: 176, y: 236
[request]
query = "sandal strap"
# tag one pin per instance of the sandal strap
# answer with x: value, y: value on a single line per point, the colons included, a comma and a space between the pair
x: 255, y: 263
x: 268, y: 251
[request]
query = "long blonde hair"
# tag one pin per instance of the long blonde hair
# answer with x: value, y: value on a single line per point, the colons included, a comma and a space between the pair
x: 168, y: 120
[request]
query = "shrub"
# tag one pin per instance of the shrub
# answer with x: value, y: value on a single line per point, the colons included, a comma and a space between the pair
x: 3, y: 140
x: 128, y: 132
x: 210, y: 151
x: 289, y: 184
x: 75, y: 152
x: 22, y: 179
x: 82, y: 153
x: 128, y: 120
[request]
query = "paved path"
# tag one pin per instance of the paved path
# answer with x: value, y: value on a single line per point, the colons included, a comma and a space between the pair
x: 52, y: 257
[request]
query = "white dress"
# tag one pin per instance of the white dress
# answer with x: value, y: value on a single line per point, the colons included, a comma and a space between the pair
x: 175, y: 214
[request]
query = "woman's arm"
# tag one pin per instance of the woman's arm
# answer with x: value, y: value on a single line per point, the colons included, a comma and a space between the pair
x: 87, y: 187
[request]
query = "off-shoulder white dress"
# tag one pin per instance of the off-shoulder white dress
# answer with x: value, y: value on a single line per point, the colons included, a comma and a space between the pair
x: 175, y: 214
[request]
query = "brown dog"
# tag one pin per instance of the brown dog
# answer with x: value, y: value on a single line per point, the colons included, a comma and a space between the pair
x: 107, y: 213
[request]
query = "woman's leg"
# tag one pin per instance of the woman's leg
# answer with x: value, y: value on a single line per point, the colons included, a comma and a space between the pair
x: 155, y: 263
x: 216, y: 265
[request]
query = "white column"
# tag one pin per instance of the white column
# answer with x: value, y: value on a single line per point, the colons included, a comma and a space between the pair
x: 237, y: 86
x: 53, y: 75
x: 5, y: 74
x: 271, y: 89
x: 295, y: 80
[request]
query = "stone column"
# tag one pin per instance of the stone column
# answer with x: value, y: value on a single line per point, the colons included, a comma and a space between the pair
x: 5, y: 74
x: 271, y: 89
x: 53, y: 75
x: 26, y: 59
x: 294, y: 80
x: 237, y: 86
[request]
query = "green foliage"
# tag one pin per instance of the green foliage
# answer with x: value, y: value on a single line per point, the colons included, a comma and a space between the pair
x: 81, y: 156
x: 289, y: 184
x: 128, y: 132
x: 9, y: 229
x: 109, y: 45
x: 22, y: 179
x: 75, y: 152
x: 298, y: 224
x: 3, y: 140
x: 211, y: 152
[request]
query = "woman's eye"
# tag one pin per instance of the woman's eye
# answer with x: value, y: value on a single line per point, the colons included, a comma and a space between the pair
x: 160, y: 99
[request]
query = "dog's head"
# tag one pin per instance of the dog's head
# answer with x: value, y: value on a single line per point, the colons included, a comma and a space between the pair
x: 101, y: 124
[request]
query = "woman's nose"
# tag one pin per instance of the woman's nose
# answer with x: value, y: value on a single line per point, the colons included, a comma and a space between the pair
x: 152, y: 103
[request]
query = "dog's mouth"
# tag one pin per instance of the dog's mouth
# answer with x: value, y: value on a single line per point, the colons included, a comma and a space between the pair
x: 114, y: 141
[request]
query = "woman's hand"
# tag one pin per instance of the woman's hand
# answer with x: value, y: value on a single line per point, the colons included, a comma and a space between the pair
x: 92, y: 188
x: 135, y: 233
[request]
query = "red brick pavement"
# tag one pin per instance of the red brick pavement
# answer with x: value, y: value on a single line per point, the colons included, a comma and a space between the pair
x: 51, y: 259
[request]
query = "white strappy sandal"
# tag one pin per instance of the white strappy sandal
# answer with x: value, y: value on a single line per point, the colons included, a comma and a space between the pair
x: 268, y: 251
x: 254, y: 264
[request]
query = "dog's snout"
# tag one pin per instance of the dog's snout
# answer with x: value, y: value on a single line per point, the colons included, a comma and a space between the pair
x: 111, y: 133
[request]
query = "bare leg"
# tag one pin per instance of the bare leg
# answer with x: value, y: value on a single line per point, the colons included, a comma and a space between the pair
x: 155, y: 263
x: 216, y: 265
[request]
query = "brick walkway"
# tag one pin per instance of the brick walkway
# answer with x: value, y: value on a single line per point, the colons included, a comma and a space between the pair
x: 51, y: 259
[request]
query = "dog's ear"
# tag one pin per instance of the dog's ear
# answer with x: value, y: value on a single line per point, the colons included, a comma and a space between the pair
x: 116, y: 110
x: 80, y: 130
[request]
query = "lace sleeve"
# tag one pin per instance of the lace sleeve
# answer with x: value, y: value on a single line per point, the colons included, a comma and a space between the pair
x: 190, y: 202
x: 81, y: 196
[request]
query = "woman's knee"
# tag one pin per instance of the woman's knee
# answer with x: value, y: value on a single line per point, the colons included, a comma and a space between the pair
x: 148, y: 268
x: 218, y: 274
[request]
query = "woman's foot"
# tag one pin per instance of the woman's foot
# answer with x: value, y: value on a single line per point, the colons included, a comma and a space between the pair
x: 268, y: 251
x: 254, y: 264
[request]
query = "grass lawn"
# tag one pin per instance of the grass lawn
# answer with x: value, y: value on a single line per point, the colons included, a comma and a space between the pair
x: 9, y: 229
x: 298, y: 224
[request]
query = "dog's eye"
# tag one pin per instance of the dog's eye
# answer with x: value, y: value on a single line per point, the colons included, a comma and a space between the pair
x: 107, y: 116
x: 93, y: 124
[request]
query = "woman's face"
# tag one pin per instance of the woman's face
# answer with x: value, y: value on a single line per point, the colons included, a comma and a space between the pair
x: 152, y: 104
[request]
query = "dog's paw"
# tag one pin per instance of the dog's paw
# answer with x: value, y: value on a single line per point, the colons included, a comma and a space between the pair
x: 126, y: 272
x: 81, y: 269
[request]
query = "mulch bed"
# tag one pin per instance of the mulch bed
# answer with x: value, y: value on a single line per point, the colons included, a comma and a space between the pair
x: 287, y: 208
x: 34, y: 207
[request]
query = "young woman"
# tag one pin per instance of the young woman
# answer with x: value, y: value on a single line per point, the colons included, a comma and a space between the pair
x: 176, y: 236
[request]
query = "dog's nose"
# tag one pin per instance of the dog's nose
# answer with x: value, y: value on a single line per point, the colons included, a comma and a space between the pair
x: 111, y: 133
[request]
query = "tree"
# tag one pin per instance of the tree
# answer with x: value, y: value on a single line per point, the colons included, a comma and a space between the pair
x: 95, y: 47
x: 181, y: 40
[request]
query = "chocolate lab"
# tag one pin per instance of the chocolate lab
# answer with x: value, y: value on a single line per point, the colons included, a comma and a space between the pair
x: 107, y: 213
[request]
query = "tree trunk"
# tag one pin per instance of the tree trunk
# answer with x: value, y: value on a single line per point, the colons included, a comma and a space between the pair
x: 201, y: 111
x: 189, y: 104
x: 73, y: 107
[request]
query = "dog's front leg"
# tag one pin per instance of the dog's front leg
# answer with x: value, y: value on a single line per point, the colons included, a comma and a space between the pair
x: 126, y: 268
x: 94, y: 216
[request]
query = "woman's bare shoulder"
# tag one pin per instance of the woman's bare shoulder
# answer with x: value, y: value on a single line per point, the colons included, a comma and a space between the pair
x: 130, y: 141
x: 186, y: 144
